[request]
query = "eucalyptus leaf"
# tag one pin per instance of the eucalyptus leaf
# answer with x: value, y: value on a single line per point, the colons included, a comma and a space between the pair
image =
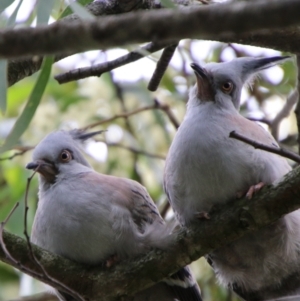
x: 168, y: 3
x: 43, y: 11
x: 12, y: 19
x: 69, y: 10
x: 4, y: 4
x: 79, y: 10
x: 31, y: 106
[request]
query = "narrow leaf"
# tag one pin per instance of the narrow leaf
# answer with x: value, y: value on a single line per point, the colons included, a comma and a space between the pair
x: 168, y: 4
x: 12, y: 19
x: 3, y: 85
x: 4, y: 4
x: 43, y: 11
x: 31, y: 106
x: 69, y: 11
x: 79, y: 10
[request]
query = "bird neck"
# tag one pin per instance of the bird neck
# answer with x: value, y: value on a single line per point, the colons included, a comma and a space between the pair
x: 44, y: 185
x: 208, y: 109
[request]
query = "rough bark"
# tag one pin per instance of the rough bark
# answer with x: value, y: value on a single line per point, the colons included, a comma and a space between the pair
x: 169, y: 24
x: 275, y: 27
x: 38, y: 297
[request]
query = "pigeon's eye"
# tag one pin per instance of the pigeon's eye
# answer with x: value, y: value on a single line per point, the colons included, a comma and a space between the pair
x: 65, y: 156
x: 227, y: 87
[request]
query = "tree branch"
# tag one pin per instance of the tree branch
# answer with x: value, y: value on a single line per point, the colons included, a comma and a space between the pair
x: 133, y: 150
x: 275, y: 150
x: 21, y: 151
x: 37, y: 297
x: 227, y: 223
x: 18, y: 69
x: 291, y: 100
x: 98, y: 69
x: 297, y: 110
x: 161, y: 25
x: 156, y: 106
x: 161, y: 67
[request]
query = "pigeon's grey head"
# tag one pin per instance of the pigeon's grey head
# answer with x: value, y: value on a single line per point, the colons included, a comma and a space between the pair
x: 223, y: 82
x: 56, y: 151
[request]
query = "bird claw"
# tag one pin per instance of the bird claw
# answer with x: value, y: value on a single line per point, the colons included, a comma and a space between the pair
x: 253, y: 189
x: 111, y: 261
x: 202, y: 215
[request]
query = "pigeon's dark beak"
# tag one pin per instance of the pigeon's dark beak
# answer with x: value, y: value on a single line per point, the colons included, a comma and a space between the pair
x: 46, y: 169
x: 32, y: 165
x: 205, y: 89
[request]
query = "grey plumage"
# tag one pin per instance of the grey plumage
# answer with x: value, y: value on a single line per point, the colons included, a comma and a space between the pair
x: 205, y: 167
x: 90, y: 217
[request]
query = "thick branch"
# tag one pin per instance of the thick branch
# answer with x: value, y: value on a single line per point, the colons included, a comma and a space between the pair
x: 18, y: 69
x: 226, y: 224
x: 38, y: 297
x: 286, y: 39
x: 163, y: 25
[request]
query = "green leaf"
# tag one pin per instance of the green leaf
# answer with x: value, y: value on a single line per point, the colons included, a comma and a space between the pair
x: 43, y: 11
x: 81, y: 11
x: 3, y: 85
x: 31, y: 106
x: 12, y: 19
x: 168, y: 4
x: 69, y: 10
x: 4, y: 4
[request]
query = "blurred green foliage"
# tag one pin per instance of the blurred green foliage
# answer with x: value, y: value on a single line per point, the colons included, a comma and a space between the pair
x: 78, y: 104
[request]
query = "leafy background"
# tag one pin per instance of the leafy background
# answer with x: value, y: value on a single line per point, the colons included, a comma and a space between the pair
x: 79, y: 104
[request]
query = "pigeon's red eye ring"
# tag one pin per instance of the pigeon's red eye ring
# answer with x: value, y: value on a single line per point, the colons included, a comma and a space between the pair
x: 65, y: 156
x: 227, y: 87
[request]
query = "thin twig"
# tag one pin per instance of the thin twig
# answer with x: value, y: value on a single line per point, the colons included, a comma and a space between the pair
x: 38, y: 297
x: 133, y: 150
x: 25, y: 232
x: 2, y: 243
x: 4, y: 248
x: 99, y: 69
x: 283, y: 113
x: 128, y: 126
x: 297, y: 110
x: 161, y: 67
x: 182, y: 52
x: 165, y: 208
x: 20, y: 153
x: 279, y: 151
x: 290, y: 140
x: 62, y: 286
x: 156, y: 105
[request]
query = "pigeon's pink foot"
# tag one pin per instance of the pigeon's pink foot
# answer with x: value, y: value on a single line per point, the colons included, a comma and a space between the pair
x: 202, y: 215
x: 253, y: 189
x: 111, y: 261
